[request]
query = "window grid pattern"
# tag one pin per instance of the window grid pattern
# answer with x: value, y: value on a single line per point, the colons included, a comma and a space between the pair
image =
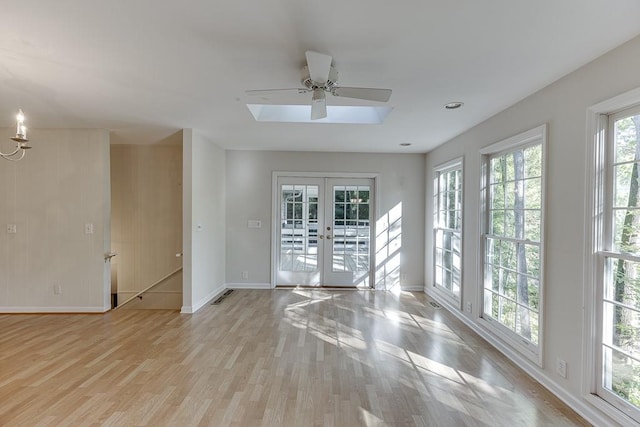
x: 621, y: 291
x: 513, y: 241
x: 299, y: 231
x: 448, y: 229
x: 351, y: 228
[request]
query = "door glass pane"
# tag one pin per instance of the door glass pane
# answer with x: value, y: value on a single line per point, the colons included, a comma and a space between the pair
x: 299, y: 228
x: 351, y: 230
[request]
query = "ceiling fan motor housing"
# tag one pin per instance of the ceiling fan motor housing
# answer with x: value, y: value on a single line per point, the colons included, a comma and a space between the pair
x: 310, y: 84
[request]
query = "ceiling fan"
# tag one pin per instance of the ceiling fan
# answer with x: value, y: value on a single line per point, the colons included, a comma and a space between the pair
x: 320, y: 78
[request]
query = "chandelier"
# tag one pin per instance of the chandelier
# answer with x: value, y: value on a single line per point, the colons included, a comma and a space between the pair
x: 21, y: 140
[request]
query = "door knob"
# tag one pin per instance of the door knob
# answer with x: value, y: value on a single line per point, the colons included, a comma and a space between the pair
x: 328, y: 237
x: 320, y: 236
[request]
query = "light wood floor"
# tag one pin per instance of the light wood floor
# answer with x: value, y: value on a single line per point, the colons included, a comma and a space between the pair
x: 266, y: 358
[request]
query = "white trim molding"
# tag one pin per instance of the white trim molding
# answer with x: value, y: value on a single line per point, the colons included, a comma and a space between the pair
x: 186, y: 309
x: 262, y: 286
x: 43, y: 310
x: 412, y: 288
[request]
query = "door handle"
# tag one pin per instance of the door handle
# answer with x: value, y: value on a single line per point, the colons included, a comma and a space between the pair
x: 320, y: 236
x: 329, y: 237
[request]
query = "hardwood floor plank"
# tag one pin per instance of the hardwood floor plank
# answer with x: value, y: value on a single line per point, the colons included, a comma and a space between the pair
x: 308, y: 357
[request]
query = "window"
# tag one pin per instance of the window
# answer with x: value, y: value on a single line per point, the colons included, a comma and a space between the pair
x: 448, y: 228
x: 513, y: 239
x: 618, y: 311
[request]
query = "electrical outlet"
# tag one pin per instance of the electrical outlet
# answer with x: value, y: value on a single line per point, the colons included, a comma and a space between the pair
x: 561, y: 367
x: 403, y: 278
x: 245, y: 275
x: 12, y: 228
x: 88, y: 228
x: 57, y: 290
x: 469, y: 307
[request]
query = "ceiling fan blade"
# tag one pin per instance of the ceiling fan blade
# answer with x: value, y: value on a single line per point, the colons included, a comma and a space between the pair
x: 318, y: 105
x: 319, y: 66
x: 266, y: 93
x: 370, y: 94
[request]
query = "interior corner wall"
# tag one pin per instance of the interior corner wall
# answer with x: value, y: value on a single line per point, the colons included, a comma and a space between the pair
x: 563, y: 106
x: 204, y: 224
x: 249, y: 194
x: 59, y: 188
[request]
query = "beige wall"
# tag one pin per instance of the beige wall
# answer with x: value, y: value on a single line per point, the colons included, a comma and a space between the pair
x: 146, y: 197
x: 61, y: 185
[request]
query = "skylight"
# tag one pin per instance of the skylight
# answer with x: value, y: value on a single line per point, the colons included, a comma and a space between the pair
x: 335, y: 114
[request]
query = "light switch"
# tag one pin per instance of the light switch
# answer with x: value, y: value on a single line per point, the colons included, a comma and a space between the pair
x: 12, y: 228
x: 88, y: 228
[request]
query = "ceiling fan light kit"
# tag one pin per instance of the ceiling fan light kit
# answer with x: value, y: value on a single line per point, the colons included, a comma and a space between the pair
x: 320, y: 78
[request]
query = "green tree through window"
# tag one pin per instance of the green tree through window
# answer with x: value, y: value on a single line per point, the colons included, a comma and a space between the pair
x: 621, y: 302
x: 512, y: 248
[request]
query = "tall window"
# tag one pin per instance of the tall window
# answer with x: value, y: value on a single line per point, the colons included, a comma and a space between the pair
x: 512, y: 242
x: 619, y: 293
x: 448, y: 228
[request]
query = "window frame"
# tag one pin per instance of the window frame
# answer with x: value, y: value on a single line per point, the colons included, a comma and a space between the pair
x: 443, y: 168
x: 535, y: 136
x: 599, y: 249
x: 597, y: 124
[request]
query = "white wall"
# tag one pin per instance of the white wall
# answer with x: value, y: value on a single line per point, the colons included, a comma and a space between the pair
x: 563, y: 106
x: 203, y: 220
x: 61, y: 185
x: 249, y: 187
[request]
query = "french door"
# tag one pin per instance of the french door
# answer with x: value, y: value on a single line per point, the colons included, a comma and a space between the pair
x: 324, y: 229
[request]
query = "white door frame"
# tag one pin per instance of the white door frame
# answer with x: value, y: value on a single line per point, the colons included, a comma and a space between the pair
x: 275, y: 197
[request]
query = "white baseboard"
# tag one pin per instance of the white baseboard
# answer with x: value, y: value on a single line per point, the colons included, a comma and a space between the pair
x: 248, y: 285
x: 576, y: 403
x: 32, y: 310
x: 412, y: 288
x: 179, y: 291
x: 190, y: 309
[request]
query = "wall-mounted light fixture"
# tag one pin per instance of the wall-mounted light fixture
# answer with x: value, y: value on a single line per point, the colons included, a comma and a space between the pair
x: 21, y: 140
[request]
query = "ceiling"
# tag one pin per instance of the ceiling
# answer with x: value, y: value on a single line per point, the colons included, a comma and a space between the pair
x: 146, y: 68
